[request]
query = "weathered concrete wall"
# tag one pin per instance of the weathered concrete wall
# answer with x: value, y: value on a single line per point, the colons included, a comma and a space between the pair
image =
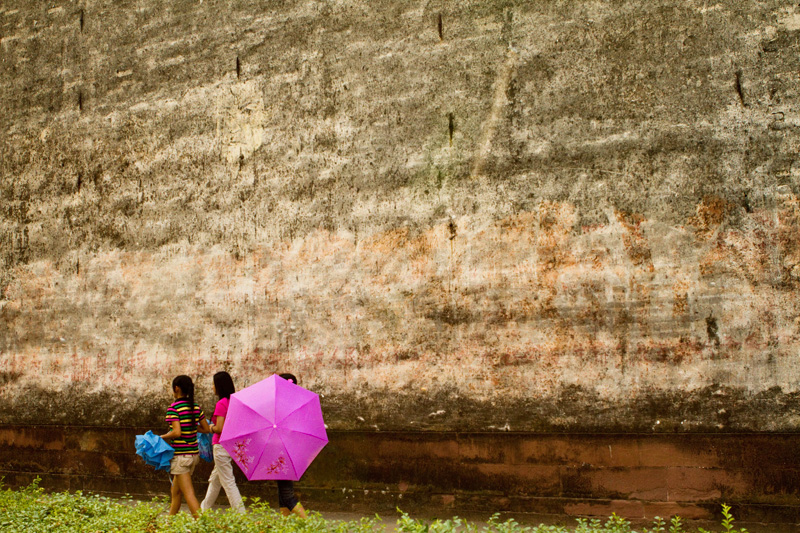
x: 473, y: 215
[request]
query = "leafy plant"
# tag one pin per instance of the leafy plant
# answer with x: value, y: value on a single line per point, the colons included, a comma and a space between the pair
x: 675, y: 525
x: 31, y: 509
x: 727, y: 522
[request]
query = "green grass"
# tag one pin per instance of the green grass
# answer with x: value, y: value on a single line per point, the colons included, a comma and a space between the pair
x: 32, y: 510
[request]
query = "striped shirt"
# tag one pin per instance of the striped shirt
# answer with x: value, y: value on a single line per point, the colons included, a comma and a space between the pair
x: 180, y: 411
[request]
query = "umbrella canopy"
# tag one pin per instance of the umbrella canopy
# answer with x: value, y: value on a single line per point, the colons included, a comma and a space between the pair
x: 154, y: 450
x: 274, y: 429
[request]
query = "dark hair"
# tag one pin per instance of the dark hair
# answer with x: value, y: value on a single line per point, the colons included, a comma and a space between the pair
x: 187, y: 387
x: 224, y: 385
x: 288, y: 377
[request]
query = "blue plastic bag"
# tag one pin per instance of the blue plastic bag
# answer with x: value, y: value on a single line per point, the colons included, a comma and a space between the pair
x: 205, y: 446
x: 154, y: 450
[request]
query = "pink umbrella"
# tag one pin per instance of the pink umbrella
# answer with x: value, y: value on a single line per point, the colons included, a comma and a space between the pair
x: 274, y: 429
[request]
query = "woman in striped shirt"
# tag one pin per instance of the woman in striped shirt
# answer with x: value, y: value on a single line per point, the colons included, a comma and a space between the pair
x: 185, y: 419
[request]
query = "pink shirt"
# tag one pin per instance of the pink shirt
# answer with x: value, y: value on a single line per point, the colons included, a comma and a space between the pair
x: 220, y: 410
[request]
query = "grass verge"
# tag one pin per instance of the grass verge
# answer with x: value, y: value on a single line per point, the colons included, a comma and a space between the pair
x: 32, y: 510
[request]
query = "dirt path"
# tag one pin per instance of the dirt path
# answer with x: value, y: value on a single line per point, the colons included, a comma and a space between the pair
x: 388, y: 521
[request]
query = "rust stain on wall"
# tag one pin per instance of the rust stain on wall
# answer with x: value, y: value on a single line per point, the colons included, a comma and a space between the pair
x: 514, y: 311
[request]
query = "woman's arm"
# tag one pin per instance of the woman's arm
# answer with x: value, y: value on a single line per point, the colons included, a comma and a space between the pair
x: 204, y: 427
x: 174, y: 433
x: 217, y: 427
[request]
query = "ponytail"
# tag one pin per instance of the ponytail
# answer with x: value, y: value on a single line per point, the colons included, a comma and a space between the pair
x: 187, y: 387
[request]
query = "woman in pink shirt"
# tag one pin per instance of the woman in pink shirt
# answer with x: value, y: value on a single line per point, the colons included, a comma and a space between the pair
x: 222, y: 475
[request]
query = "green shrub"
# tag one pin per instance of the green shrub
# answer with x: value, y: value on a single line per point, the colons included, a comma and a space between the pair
x: 32, y: 510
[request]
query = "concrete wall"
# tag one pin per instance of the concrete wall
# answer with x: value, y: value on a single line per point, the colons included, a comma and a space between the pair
x: 452, y: 216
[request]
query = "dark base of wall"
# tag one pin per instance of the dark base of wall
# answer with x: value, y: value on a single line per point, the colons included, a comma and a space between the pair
x: 636, y: 476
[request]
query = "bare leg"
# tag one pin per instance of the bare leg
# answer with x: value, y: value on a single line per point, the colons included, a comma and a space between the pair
x: 175, y: 495
x: 184, y: 482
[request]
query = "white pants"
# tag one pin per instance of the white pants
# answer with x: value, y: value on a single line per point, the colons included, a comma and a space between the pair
x: 222, y: 476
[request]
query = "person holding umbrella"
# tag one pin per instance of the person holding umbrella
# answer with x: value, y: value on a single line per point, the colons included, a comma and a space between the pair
x: 274, y: 430
x: 185, y: 418
x: 287, y: 501
x: 222, y: 475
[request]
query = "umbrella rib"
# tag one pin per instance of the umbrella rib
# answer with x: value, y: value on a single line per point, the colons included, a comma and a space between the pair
x: 296, y: 408
x: 289, y: 455
x: 305, y: 433
x: 256, y: 460
x: 253, y: 412
x: 248, y: 434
